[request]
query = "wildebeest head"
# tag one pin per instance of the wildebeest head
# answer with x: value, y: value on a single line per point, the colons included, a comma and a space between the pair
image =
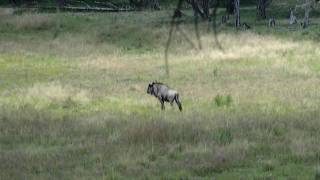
x: 150, y: 89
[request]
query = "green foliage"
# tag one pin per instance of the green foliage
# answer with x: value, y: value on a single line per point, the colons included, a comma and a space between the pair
x: 221, y: 100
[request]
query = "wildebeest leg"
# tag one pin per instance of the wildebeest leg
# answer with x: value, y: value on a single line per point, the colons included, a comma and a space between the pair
x: 162, y: 104
x: 176, y: 98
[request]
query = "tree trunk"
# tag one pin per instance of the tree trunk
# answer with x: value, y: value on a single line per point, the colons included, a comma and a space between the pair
x: 237, y: 13
x: 176, y: 14
x: 261, y: 9
x: 205, y: 7
x: 307, y: 10
x: 201, y: 7
x: 293, y: 19
x: 153, y: 4
x: 306, y: 18
x: 14, y: 3
x: 230, y: 7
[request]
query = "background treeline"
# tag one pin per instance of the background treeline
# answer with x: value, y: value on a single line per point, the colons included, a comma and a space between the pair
x: 153, y: 4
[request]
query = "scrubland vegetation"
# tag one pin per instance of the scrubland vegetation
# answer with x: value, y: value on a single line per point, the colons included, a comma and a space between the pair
x: 73, y: 103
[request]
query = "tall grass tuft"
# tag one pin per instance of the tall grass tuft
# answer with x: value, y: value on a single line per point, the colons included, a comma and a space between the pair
x: 224, y: 136
x: 215, y: 72
x: 221, y: 100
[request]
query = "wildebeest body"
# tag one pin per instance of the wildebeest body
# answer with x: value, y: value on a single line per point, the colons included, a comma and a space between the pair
x: 164, y: 94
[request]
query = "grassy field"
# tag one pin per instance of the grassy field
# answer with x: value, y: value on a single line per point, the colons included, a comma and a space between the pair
x: 73, y: 102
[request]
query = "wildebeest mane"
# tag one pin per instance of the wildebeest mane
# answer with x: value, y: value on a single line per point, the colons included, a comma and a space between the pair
x: 155, y: 82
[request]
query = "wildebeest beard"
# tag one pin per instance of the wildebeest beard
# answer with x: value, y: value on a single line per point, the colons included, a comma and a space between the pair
x: 164, y: 94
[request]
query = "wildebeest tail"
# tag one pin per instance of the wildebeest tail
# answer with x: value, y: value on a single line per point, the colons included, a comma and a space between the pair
x: 178, y: 102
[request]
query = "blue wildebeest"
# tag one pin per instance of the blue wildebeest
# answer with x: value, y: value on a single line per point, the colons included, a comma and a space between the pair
x: 164, y: 93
